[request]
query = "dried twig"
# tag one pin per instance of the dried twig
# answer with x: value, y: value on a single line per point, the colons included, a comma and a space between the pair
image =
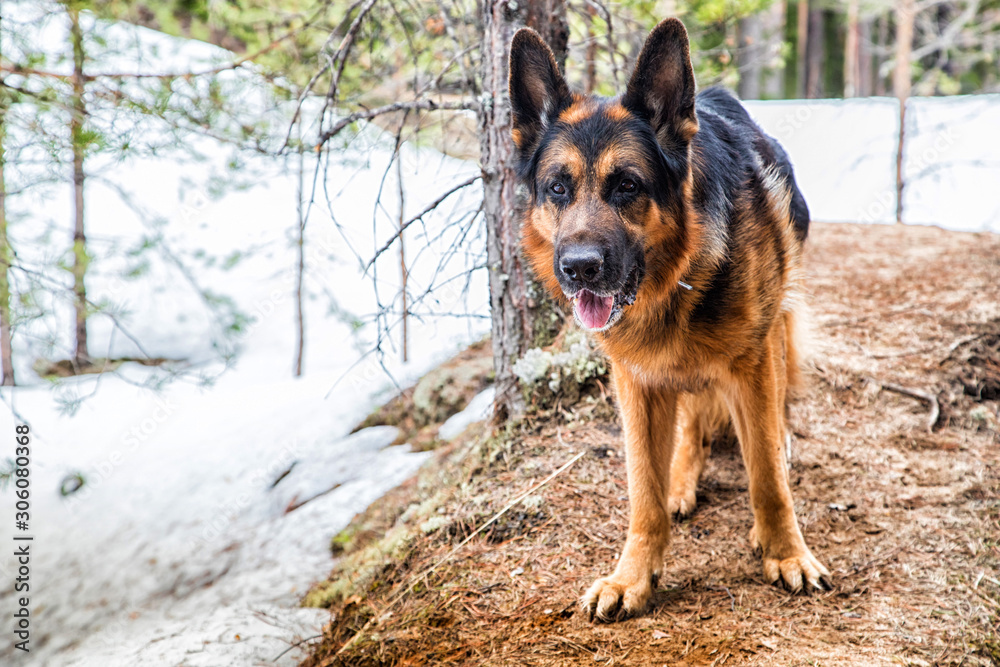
x: 930, y: 399
x: 732, y: 600
x: 957, y: 344
x: 295, y: 645
x: 295, y: 503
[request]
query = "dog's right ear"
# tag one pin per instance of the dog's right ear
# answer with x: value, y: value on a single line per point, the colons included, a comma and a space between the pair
x: 537, y: 90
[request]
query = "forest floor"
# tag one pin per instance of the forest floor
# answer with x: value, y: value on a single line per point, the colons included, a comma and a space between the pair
x: 906, y: 514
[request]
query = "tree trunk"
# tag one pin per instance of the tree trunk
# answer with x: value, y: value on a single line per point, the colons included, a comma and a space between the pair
x: 852, y: 71
x: 801, y: 49
x: 814, y: 55
x: 750, y: 56
x: 865, y: 60
x: 548, y: 18
x: 81, y: 356
x: 774, y: 37
x: 905, y: 17
x: 882, y: 38
x: 519, y: 309
x: 6, y: 256
x: 300, y: 263
x: 590, y: 79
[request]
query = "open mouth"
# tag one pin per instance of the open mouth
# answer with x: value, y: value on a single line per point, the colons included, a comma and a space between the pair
x: 597, y: 312
x: 593, y: 311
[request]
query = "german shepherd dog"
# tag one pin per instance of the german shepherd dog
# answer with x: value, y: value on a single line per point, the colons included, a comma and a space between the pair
x: 675, y: 227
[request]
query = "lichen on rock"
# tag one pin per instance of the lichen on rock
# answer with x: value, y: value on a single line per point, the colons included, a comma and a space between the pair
x: 564, y: 371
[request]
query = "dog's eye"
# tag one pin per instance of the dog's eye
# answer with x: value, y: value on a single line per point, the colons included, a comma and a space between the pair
x: 558, y: 188
x: 627, y: 185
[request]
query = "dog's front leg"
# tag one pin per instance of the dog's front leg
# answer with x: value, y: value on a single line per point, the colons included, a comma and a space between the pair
x: 756, y: 402
x: 649, y: 416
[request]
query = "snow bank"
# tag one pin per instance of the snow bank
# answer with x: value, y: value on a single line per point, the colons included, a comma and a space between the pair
x: 479, y: 409
x: 178, y: 538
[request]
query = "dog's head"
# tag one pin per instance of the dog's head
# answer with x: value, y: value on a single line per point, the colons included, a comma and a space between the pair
x: 607, y: 177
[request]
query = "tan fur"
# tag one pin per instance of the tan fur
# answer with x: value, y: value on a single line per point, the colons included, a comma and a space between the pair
x: 616, y: 112
x: 580, y: 109
x: 702, y: 417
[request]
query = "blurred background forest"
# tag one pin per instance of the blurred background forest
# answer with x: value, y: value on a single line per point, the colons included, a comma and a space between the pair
x: 764, y: 49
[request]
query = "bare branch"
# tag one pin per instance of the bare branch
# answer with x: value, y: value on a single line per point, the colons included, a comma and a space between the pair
x: 416, y: 105
x: 312, y: 81
x: 437, y: 202
x: 345, y: 47
x: 949, y: 34
x: 610, y: 34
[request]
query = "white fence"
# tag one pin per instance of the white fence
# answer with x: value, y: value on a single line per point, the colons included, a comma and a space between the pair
x: 844, y: 153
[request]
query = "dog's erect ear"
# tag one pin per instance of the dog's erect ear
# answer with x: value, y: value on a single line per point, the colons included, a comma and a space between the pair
x: 537, y: 90
x: 662, y: 88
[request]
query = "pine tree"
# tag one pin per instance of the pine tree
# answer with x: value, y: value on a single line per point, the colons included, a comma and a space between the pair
x: 79, y: 140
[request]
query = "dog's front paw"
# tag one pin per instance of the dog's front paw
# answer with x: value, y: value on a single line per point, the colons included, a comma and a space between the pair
x: 618, y: 597
x: 791, y: 563
x: 681, y: 504
x: 795, y: 571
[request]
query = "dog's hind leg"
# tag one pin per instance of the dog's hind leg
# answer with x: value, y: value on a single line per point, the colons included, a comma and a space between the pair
x: 700, y: 418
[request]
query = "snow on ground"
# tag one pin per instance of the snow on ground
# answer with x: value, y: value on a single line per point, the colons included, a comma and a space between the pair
x: 479, y: 409
x: 177, y: 550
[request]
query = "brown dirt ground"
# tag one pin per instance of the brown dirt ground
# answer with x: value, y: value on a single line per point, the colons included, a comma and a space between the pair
x: 907, y: 520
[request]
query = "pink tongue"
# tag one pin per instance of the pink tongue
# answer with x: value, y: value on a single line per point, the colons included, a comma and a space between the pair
x: 594, y: 311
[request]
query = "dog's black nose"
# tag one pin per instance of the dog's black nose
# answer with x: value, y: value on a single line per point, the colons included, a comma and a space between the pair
x: 582, y: 263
